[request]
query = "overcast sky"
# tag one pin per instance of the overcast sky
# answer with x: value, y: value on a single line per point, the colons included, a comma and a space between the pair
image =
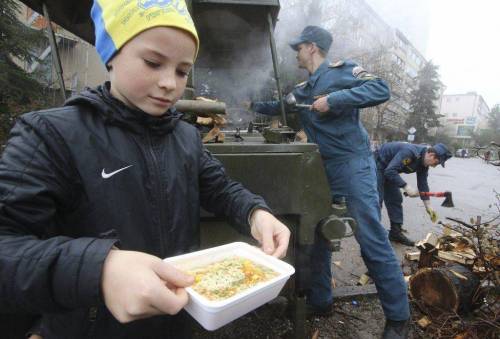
x: 461, y: 36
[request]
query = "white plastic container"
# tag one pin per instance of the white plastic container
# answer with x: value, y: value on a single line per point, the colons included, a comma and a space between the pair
x: 214, y: 314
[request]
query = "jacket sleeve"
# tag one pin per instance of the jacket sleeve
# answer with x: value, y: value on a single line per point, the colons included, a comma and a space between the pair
x: 266, y: 107
x: 366, y: 90
x: 40, y: 271
x: 223, y: 196
x: 422, y: 184
x: 395, y: 167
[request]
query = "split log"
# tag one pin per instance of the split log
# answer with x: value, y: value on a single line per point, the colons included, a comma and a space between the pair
x: 364, y: 279
x: 427, y: 249
x: 212, y: 135
x: 430, y: 242
x: 448, y: 289
x: 459, y: 257
x: 424, y: 322
x: 412, y: 256
x: 426, y: 258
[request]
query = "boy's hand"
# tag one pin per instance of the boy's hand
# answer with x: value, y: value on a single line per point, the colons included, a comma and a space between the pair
x: 137, y: 285
x: 270, y: 232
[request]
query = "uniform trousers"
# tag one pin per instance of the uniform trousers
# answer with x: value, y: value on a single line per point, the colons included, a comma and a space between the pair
x: 356, y: 181
x: 390, y: 195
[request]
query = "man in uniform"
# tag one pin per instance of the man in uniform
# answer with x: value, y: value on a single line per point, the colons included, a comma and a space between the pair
x: 336, y: 92
x: 398, y: 157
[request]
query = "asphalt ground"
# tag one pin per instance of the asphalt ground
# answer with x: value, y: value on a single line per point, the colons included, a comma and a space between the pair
x: 472, y: 183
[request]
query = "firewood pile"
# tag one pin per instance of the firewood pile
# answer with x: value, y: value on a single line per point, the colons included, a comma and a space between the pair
x: 214, y: 122
x: 455, y: 284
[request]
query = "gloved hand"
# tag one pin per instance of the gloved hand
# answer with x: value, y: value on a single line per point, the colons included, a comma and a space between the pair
x: 432, y: 214
x: 410, y: 191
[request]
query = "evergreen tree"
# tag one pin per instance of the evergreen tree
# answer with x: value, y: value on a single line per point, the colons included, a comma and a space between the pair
x: 423, y: 113
x: 494, y: 119
x: 19, y: 91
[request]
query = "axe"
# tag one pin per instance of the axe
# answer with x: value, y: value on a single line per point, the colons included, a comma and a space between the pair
x: 448, y: 201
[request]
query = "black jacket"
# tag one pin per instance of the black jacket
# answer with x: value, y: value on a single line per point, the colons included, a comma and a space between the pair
x: 76, y: 180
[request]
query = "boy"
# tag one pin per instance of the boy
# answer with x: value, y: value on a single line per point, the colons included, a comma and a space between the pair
x: 93, y: 194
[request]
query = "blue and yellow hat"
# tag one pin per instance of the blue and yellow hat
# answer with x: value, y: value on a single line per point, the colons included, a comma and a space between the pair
x: 118, y: 21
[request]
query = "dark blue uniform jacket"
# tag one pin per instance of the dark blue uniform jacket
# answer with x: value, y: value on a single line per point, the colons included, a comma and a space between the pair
x: 399, y: 157
x: 339, y: 133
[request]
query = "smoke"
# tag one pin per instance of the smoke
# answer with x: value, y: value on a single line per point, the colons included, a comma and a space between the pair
x: 235, y: 63
x: 236, y: 78
x: 376, y: 19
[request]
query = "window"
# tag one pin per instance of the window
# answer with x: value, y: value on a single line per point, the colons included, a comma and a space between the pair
x: 411, y: 72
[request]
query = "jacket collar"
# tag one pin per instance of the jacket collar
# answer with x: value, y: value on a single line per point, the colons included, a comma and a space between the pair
x: 420, y: 154
x: 117, y: 113
x: 317, y: 73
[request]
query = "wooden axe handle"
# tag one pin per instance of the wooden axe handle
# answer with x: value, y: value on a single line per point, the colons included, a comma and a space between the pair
x: 433, y: 194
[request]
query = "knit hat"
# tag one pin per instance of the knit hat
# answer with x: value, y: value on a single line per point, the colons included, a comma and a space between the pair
x: 118, y: 21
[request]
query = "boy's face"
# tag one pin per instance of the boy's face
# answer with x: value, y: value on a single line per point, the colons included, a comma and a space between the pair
x: 151, y: 70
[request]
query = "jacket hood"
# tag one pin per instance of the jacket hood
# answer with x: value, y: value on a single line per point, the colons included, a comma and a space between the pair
x: 117, y: 113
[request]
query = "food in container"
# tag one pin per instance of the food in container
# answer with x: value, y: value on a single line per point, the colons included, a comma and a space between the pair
x: 225, y: 278
x: 214, y: 302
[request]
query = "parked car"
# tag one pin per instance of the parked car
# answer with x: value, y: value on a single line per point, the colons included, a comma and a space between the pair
x: 462, y: 153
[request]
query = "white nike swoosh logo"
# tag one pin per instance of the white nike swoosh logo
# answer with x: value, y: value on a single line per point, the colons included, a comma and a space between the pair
x: 109, y: 175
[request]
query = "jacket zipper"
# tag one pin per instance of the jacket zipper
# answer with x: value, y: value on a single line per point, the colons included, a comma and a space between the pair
x: 158, y: 190
x: 92, y: 318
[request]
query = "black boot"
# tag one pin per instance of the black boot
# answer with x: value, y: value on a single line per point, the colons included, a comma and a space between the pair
x: 396, y: 235
x: 396, y: 329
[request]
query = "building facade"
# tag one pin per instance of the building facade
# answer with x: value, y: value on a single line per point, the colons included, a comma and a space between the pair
x: 80, y: 62
x: 463, y: 114
x: 362, y: 35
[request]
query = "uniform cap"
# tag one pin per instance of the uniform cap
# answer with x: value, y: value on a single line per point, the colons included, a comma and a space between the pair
x: 118, y: 21
x: 320, y: 36
x: 442, y: 152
